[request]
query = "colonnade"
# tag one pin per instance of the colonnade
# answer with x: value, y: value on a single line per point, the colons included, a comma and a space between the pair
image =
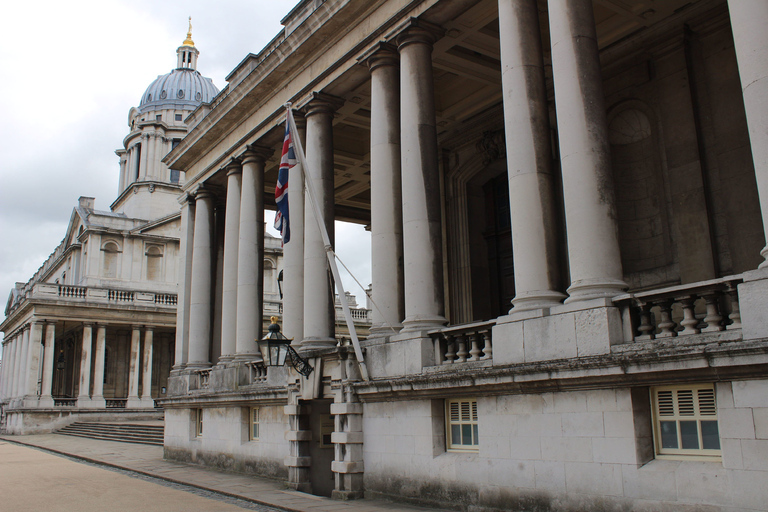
x: 407, y: 266
x: 242, y: 268
x: 142, y: 161
x: 29, y: 363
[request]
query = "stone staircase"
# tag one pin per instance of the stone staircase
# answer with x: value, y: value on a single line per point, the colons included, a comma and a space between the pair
x: 122, y: 432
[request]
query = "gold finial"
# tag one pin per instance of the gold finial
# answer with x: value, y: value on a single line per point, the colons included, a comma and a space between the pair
x: 274, y: 319
x: 188, y: 41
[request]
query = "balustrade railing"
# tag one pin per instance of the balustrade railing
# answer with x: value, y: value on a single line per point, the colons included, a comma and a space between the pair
x: 72, y: 292
x: 120, y: 296
x: 258, y: 371
x: 358, y: 314
x: 168, y: 299
x: 116, y: 403
x: 462, y: 343
x: 203, y: 377
x: 704, y: 307
x: 64, y: 402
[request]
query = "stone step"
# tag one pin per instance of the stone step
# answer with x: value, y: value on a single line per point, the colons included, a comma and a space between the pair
x: 123, y: 432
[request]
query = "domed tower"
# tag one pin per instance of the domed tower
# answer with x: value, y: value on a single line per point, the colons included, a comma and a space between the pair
x: 148, y: 188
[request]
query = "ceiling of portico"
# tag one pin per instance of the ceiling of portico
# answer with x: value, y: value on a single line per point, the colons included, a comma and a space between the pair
x: 467, y: 77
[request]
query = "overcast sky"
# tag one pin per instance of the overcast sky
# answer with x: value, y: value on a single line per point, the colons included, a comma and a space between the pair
x: 70, y: 72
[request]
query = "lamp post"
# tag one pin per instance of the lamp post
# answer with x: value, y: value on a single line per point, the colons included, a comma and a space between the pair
x: 276, y: 348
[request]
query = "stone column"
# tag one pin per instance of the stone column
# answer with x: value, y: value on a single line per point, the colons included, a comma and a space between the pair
x: 184, y: 276
x: 46, y: 398
x: 149, y: 172
x: 128, y: 170
x: 123, y: 163
x: 146, y: 369
x: 84, y: 394
x: 21, y: 356
x: 386, y: 193
x: 293, y: 251
x: 422, y: 230
x: 133, y: 401
x: 229, y: 279
x: 32, y: 362
x: 200, y: 297
x: 4, y: 368
x: 141, y: 174
x: 529, y: 157
x: 12, y: 368
x: 585, y: 157
x: 8, y: 367
x: 749, y: 19
x: 319, y: 309
x: 250, y: 258
x: 97, y: 398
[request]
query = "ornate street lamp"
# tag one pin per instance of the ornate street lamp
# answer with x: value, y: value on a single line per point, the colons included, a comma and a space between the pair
x: 276, y: 348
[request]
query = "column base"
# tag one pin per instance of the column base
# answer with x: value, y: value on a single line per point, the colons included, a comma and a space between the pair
x: 45, y: 401
x: 147, y: 402
x: 84, y: 402
x: 764, y: 254
x: 247, y: 358
x: 317, y: 342
x: 133, y: 402
x: 540, y: 299
x: 225, y: 360
x: 588, y: 289
x: 98, y: 402
x: 197, y: 366
x: 379, y: 330
x: 423, y: 323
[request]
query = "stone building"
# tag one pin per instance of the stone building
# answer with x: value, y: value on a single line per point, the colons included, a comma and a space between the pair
x: 567, y: 201
x: 91, y: 335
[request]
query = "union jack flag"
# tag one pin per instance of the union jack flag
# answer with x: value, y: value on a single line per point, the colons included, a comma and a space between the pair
x: 287, y: 161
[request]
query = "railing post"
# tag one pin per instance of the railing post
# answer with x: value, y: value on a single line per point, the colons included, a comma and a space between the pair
x: 689, y: 321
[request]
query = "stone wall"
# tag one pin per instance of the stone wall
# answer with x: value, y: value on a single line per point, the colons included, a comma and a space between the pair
x: 225, y: 442
x: 578, y: 450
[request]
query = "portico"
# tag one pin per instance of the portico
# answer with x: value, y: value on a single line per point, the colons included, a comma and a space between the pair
x: 559, y: 228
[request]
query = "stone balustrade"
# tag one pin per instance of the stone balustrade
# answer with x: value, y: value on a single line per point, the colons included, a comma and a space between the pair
x: 462, y: 343
x: 703, y: 307
x: 116, y: 403
x: 358, y: 314
x: 104, y: 295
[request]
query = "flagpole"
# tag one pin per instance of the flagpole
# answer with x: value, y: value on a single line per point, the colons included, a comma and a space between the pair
x: 326, y: 241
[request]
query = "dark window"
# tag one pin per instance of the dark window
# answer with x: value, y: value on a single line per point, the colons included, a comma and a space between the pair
x: 178, y: 117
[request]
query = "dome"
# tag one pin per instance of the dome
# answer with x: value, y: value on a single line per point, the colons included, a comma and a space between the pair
x: 183, y: 87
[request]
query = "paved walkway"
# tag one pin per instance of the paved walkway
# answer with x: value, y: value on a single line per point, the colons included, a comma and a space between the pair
x: 148, y: 460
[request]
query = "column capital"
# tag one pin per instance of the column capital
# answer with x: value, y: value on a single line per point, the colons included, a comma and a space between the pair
x: 234, y: 166
x: 380, y: 54
x: 321, y: 103
x: 149, y: 328
x: 186, y: 198
x: 203, y: 192
x: 416, y: 31
x: 256, y: 153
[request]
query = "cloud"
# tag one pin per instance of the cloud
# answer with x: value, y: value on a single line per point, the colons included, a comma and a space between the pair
x: 70, y: 72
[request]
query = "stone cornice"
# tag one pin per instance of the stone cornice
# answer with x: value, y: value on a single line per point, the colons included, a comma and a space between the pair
x: 645, y: 366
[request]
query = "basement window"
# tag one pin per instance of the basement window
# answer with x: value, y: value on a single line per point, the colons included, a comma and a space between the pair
x: 198, y: 423
x: 685, y: 420
x: 254, y: 424
x: 461, y: 425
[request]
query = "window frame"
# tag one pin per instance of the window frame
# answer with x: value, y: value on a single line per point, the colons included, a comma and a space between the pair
x: 199, y: 422
x: 701, y: 411
x: 254, y: 424
x: 461, y: 421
